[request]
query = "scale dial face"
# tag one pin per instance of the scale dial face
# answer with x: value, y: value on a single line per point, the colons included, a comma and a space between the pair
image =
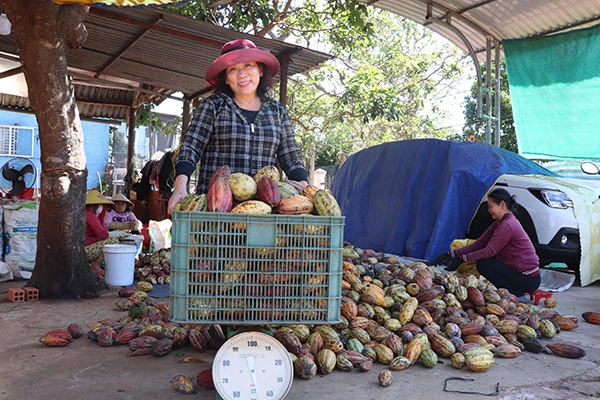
x: 252, y: 366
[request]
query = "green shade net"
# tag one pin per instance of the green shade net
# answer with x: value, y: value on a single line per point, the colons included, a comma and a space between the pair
x: 555, y: 90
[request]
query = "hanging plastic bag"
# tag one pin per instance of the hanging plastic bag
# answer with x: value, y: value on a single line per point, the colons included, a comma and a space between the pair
x: 20, y: 237
x: 160, y: 234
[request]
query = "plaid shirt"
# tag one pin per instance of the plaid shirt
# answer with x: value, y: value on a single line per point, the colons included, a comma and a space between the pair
x: 219, y: 134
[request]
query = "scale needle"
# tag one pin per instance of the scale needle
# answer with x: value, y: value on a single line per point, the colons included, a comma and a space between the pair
x: 252, y: 368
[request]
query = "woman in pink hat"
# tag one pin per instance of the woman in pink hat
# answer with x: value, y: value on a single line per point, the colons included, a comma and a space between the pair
x: 238, y: 125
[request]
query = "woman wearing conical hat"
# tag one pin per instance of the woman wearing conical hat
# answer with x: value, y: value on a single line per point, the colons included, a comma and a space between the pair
x: 95, y: 234
x: 120, y: 216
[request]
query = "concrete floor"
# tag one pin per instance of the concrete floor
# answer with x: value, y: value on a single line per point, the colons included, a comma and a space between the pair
x: 30, y: 370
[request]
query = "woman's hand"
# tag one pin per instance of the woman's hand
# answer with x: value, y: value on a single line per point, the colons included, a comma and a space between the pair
x: 179, y: 192
x: 453, y: 264
x: 442, y: 259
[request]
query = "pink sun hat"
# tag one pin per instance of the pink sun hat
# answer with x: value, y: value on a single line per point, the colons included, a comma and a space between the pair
x: 238, y: 51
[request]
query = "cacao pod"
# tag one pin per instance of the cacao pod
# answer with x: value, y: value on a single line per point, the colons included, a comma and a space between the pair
x: 325, y: 361
x: 297, y: 204
x: 536, y: 346
x: 75, y: 331
x: 400, y: 363
x: 475, y: 295
x: 442, y: 346
x: 428, y: 358
x: 56, y: 338
x: 141, y: 342
x: 221, y: 172
x: 458, y: 360
x: 566, y: 350
x: 385, y: 377
x: 182, y: 384
x: 407, y: 310
x: 219, y: 197
x: 591, y: 317
x: 506, y: 350
x: 384, y: 353
x: 412, y: 351
x: 305, y: 367
x: 315, y: 342
x: 325, y: 204
x: 268, y: 191
x: 125, y: 335
x: 106, y: 336
x: 547, y: 328
x: 343, y: 363
x: 525, y: 332
x: 161, y: 347
x: 270, y: 171
x: 565, y: 323
x: 243, y: 187
x: 252, y: 207
x: 286, y: 190
x: 479, y: 362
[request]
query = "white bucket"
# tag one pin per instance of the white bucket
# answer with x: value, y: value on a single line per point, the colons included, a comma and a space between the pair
x: 120, y: 264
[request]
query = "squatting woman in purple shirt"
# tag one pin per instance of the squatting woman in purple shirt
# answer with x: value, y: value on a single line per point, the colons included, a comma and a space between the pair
x: 504, y: 254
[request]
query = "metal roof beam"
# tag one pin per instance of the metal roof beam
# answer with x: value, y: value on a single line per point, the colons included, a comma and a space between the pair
x: 474, y: 6
x: 446, y: 11
x: 88, y: 80
x: 127, y: 47
x: 11, y: 72
x: 104, y: 13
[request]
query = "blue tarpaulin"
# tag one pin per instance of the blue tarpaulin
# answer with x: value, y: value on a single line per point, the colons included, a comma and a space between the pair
x: 414, y: 197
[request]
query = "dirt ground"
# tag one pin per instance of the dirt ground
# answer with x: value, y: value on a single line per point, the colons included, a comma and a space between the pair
x: 84, y: 370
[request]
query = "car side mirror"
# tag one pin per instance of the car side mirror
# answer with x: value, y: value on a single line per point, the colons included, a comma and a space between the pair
x: 590, y: 168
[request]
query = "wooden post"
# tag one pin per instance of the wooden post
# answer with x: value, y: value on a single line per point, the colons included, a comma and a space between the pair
x: 311, y: 178
x: 186, y: 116
x: 283, y: 73
x: 130, y: 145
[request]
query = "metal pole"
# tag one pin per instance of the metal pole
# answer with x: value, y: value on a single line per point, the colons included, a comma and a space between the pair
x: 498, y: 97
x: 488, y: 90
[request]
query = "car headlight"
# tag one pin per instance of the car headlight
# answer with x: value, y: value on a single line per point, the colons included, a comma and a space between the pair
x: 556, y: 199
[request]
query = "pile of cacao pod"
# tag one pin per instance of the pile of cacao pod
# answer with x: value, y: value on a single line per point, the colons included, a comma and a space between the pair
x: 146, y: 328
x: 398, y: 315
x: 392, y: 313
x: 154, y: 268
x: 263, y: 193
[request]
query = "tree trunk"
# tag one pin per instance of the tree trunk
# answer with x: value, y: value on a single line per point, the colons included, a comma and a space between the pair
x: 43, y: 30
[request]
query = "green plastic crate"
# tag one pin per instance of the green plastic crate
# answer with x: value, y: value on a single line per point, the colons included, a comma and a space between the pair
x: 252, y: 269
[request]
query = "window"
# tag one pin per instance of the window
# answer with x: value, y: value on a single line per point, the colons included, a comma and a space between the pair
x: 16, y: 141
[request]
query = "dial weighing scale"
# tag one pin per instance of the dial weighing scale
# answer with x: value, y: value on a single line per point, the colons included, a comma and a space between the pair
x: 252, y: 366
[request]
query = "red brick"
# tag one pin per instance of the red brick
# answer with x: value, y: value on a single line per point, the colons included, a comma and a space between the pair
x: 16, y: 295
x: 31, y: 293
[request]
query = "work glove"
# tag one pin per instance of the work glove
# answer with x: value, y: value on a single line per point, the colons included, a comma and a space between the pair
x: 442, y: 259
x: 117, y: 234
x: 453, y: 263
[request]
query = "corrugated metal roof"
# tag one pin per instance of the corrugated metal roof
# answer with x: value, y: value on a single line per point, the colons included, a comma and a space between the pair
x: 498, y: 19
x: 91, y: 101
x: 134, y: 56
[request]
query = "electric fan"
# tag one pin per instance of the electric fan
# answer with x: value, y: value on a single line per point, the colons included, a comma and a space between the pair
x: 18, y: 175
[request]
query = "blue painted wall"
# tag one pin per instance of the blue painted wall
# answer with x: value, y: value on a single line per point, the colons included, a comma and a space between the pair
x: 95, y: 143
